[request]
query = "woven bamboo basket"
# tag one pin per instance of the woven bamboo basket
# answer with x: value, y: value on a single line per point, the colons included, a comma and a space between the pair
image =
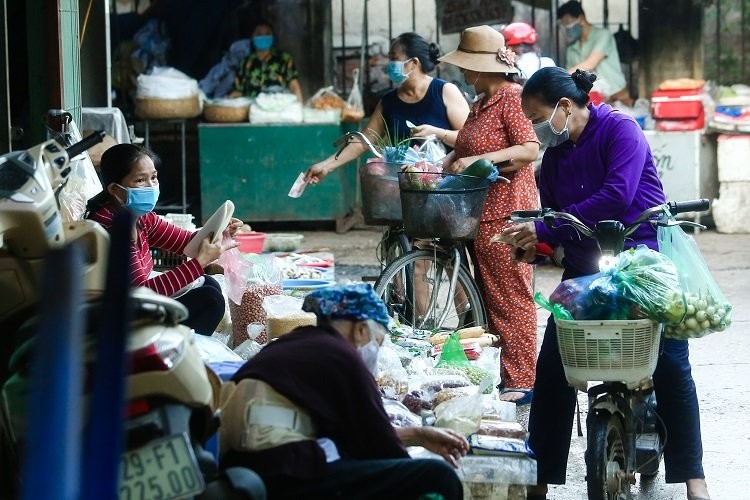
x: 160, y: 109
x: 225, y: 114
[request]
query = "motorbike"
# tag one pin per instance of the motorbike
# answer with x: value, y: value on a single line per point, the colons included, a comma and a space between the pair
x: 171, y: 400
x: 625, y: 435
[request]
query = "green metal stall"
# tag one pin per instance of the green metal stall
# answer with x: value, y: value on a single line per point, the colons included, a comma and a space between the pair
x: 255, y: 165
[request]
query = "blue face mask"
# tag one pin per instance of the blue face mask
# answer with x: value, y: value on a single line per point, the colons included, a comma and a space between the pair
x: 396, y: 72
x: 141, y: 200
x: 573, y: 33
x: 262, y: 42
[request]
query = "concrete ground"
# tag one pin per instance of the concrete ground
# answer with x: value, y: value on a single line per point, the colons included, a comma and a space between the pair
x: 721, y: 363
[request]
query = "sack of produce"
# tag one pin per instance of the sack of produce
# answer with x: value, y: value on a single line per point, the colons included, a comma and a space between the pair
x: 707, y: 308
x: 400, y: 415
x: 249, y: 280
x: 642, y: 283
x: 462, y: 414
x: 167, y: 93
x: 454, y: 356
x: 283, y: 314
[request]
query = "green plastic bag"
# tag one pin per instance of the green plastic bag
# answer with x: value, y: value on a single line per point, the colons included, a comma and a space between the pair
x: 708, y: 309
x: 453, y: 353
x: 557, y: 310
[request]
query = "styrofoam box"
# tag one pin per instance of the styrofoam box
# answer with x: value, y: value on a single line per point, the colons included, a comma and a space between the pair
x: 727, y: 209
x: 733, y: 155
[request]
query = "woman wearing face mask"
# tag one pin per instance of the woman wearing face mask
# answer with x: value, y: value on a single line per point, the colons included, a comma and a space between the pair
x: 497, y: 131
x: 130, y: 181
x: 597, y: 166
x: 434, y: 105
x: 266, y: 66
x: 306, y: 415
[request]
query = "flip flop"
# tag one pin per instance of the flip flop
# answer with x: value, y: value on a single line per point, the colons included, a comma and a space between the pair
x: 528, y: 395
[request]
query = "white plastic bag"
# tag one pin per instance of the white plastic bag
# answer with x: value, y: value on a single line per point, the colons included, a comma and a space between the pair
x: 354, y: 109
x: 166, y: 83
x: 82, y: 183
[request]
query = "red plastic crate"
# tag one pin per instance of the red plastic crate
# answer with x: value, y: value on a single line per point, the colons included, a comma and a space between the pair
x: 677, y: 104
x: 679, y: 125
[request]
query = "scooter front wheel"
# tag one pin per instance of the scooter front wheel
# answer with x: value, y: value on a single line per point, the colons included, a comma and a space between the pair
x: 606, y: 475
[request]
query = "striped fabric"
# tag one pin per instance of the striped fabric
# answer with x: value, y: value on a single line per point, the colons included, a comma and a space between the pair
x: 153, y: 231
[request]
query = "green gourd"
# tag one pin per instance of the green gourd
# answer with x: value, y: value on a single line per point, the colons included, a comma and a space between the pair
x: 481, y: 168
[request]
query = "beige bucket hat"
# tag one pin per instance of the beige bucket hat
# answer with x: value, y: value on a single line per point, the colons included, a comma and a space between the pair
x: 482, y: 49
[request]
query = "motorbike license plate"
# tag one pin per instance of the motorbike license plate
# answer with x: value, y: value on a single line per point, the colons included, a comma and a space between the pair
x: 161, y: 470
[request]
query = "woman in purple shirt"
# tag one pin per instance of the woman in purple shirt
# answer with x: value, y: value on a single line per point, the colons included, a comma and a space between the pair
x: 598, y: 166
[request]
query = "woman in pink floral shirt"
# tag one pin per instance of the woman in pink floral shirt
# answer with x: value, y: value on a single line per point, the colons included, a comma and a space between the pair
x: 497, y: 130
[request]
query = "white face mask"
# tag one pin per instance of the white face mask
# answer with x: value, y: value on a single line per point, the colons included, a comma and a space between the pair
x: 369, y: 354
x: 547, y: 134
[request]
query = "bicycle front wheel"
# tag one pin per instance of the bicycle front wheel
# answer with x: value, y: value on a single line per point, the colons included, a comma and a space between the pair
x: 605, y: 458
x: 416, y: 289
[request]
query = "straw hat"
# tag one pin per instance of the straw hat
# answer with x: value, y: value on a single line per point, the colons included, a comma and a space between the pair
x: 482, y: 49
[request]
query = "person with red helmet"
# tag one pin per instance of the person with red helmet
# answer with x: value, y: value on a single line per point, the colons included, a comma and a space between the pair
x: 521, y: 38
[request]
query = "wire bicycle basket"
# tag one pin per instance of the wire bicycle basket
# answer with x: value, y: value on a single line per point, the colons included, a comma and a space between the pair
x: 381, y: 199
x: 430, y: 211
x: 608, y: 350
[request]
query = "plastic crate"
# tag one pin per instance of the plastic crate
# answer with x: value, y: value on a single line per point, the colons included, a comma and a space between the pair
x: 608, y: 351
x: 165, y: 260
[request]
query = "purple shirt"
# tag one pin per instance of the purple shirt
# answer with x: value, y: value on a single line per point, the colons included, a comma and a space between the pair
x: 608, y: 174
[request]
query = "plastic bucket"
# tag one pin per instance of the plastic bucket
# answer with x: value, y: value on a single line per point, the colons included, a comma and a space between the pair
x: 430, y: 211
x: 250, y: 242
x: 381, y: 199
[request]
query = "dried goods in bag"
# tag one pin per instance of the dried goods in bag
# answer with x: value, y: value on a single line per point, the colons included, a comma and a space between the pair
x: 707, y: 308
x: 354, y: 109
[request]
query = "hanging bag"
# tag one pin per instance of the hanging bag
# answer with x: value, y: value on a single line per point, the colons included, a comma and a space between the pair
x: 354, y: 109
x: 708, y: 309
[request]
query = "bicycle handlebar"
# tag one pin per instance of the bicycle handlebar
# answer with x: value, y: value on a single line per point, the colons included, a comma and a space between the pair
x: 86, y: 143
x: 609, y: 230
x: 346, y: 139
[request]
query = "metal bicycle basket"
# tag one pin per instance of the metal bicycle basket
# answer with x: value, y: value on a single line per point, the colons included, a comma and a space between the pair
x: 438, y: 205
x: 381, y: 199
x: 608, y: 351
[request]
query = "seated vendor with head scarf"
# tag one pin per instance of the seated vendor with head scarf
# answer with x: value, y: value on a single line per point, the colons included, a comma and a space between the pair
x: 305, y: 412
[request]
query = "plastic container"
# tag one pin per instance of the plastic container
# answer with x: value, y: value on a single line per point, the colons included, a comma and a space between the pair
x: 680, y: 104
x: 608, y: 351
x: 292, y: 284
x: 282, y: 242
x: 185, y: 221
x: 300, y: 288
x: 250, y: 242
x: 442, y: 213
x: 381, y: 198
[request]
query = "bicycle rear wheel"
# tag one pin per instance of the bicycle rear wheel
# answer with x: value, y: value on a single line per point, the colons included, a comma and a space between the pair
x: 416, y: 290
x: 393, y: 245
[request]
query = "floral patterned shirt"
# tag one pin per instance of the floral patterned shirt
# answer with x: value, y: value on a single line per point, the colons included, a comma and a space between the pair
x: 254, y: 74
x: 498, y: 123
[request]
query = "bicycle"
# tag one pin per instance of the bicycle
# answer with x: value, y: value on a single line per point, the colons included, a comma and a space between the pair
x: 622, y: 432
x: 381, y: 201
x: 431, y: 287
